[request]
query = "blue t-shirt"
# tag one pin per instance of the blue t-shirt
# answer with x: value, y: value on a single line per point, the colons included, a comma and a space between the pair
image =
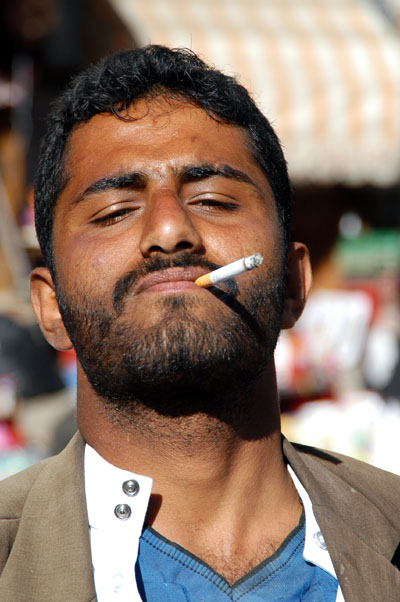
x: 166, y: 572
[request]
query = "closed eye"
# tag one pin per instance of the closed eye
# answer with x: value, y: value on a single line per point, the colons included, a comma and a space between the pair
x: 212, y: 203
x: 113, y: 217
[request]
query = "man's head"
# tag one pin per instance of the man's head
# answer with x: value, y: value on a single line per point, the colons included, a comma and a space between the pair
x: 154, y: 190
x: 122, y: 79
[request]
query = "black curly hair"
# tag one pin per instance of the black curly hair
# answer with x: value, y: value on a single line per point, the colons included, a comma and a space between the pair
x: 117, y: 81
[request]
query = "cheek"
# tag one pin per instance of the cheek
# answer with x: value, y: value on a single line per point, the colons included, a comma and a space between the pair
x: 254, y: 235
x: 267, y: 236
x: 100, y: 262
x: 86, y: 269
x: 95, y: 257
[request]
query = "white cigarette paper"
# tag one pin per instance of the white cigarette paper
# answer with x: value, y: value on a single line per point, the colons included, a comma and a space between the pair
x: 229, y: 271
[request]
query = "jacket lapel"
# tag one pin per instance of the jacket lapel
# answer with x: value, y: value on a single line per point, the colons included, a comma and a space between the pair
x: 360, y: 538
x: 50, y: 560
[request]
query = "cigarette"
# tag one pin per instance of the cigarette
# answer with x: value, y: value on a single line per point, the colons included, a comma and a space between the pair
x: 229, y: 271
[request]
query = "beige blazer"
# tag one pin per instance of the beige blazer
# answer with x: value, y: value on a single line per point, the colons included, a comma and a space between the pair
x: 44, y: 539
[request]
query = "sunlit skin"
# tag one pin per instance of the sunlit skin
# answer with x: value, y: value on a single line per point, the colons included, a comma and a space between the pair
x: 226, y: 498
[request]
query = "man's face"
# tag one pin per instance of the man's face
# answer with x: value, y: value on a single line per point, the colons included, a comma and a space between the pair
x: 150, y: 204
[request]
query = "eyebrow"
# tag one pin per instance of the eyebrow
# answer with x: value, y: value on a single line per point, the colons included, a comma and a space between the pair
x: 188, y: 173
x: 191, y: 173
x: 136, y: 180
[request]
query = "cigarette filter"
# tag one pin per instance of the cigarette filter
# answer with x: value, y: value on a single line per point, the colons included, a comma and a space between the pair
x: 230, y: 270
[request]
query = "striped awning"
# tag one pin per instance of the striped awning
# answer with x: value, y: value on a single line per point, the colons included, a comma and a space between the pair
x: 325, y: 72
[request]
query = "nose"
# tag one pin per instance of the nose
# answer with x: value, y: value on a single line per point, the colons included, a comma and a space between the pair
x: 168, y: 227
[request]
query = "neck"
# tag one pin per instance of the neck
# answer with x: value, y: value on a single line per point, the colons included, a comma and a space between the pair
x: 189, y: 455
x: 221, y: 489
x: 140, y: 437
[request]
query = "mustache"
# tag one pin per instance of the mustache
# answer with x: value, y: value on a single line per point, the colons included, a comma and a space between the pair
x: 157, y: 263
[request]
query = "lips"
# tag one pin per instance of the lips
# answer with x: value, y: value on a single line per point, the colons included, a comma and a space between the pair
x: 170, y: 279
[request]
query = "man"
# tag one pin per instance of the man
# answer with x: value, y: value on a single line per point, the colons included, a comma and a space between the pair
x: 157, y: 169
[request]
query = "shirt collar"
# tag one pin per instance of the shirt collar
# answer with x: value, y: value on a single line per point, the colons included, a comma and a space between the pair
x: 315, y: 550
x: 117, y: 502
x: 115, y: 498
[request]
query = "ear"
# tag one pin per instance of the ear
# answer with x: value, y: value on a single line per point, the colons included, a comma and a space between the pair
x: 44, y: 302
x: 298, y: 283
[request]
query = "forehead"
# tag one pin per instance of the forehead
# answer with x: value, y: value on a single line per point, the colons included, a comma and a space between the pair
x: 157, y: 135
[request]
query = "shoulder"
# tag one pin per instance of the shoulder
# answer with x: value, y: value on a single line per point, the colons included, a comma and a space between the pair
x: 15, y: 489
x: 31, y: 496
x: 14, y: 492
x: 39, y: 479
x: 332, y: 478
x: 345, y: 466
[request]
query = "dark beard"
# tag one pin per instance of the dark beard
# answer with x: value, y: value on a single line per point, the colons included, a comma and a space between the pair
x: 182, y: 364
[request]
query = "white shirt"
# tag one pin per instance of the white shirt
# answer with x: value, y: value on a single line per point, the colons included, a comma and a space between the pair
x: 117, y: 502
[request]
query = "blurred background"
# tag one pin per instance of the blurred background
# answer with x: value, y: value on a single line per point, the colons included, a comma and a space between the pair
x: 327, y: 74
